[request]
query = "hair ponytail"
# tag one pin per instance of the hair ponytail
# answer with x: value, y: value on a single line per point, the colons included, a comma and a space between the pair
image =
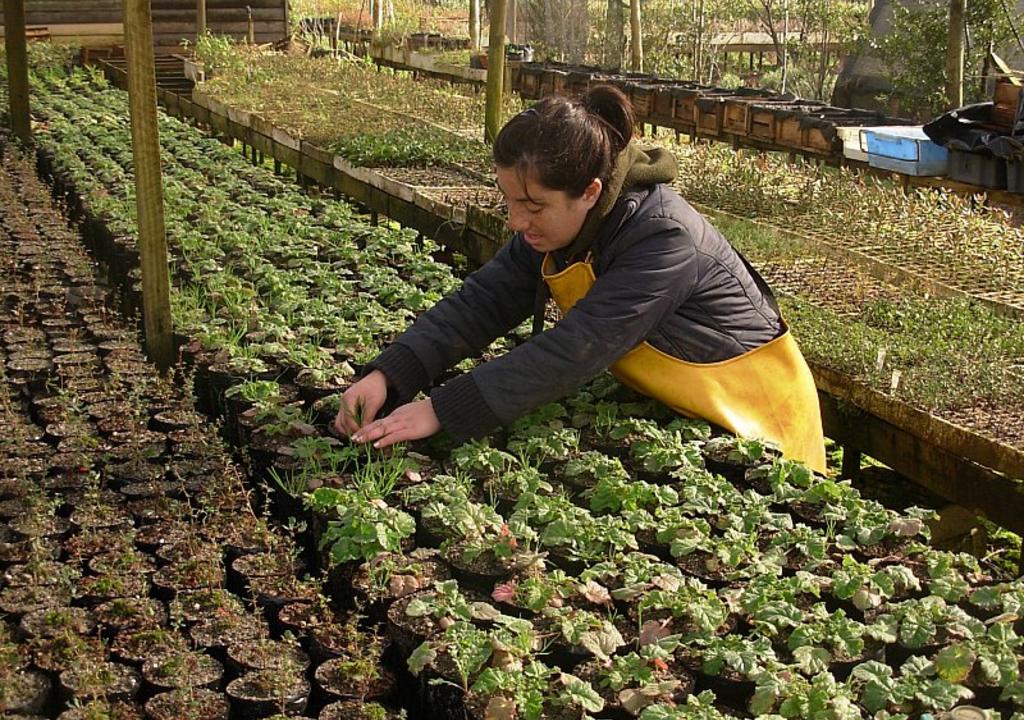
x: 615, y: 110
x: 566, y: 143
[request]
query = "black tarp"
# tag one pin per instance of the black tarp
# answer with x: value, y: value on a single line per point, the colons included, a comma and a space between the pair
x: 970, y: 129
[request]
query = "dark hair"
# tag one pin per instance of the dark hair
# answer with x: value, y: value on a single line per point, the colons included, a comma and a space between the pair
x: 568, y: 142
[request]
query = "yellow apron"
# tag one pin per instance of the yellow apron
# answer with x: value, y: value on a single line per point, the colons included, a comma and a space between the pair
x: 766, y: 393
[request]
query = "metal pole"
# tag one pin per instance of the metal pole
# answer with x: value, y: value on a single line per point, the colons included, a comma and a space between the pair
x: 200, y: 18
x: 251, y: 29
x: 149, y: 198
x: 17, y: 68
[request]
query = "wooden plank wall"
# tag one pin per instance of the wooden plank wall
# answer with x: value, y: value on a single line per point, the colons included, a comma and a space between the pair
x: 175, y: 20
x: 98, y: 22
x: 90, y: 23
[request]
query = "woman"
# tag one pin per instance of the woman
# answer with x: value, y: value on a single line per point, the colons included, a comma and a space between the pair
x: 646, y: 285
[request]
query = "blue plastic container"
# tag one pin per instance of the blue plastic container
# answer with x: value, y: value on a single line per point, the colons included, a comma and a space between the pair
x: 906, y: 150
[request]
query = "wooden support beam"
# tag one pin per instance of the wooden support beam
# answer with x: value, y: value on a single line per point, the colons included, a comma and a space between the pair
x: 957, y: 479
x: 200, y: 18
x: 851, y: 462
x: 149, y: 197
x: 17, y: 68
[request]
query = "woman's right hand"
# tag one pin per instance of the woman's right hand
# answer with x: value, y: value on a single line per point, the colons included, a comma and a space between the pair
x: 361, y: 403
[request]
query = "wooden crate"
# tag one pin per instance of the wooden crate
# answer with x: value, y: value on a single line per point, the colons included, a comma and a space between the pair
x: 822, y: 135
x: 547, y: 83
x: 821, y: 141
x: 1007, y: 100
x: 762, y: 122
x: 741, y: 110
x: 709, y: 114
x: 642, y: 97
x: 37, y: 33
x: 789, y: 130
x: 559, y: 82
x: 530, y: 81
x: 684, y: 113
x: 736, y: 116
x: 577, y: 82
x: 664, y: 106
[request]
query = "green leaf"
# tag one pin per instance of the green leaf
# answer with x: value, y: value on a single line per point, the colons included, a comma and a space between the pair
x: 988, y: 597
x: 877, y: 684
x: 602, y: 643
x: 1013, y: 692
x: 417, y: 608
x: 885, y: 629
x: 812, y: 660
x: 763, y: 700
x: 421, y: 657
x: 581, y: 693
x: 916, y: 630
x: 483, y: 611
x: 954, y: 662
x: 938, y: 694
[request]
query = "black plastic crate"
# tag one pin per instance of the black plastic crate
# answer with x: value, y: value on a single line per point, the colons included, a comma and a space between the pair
x: 1015, y: 176
x: 982, y: 169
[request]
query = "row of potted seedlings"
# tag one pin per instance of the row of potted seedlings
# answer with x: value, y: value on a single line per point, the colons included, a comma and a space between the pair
x: 269, y: 280
x: 601, y: 538
x: 787, y: 611
x: 135, y: 579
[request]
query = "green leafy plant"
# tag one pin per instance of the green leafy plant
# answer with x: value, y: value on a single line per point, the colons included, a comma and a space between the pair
x: 916, y: 687
x: 358, y: 527
x: 869, y: 586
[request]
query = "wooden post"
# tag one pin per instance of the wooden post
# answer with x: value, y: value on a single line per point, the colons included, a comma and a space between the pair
x: 200, y: 18
x: 149, y: 198
x: 474, y: 24
x: 851, y: 463
x: 495, y: 70
x: 955, y: 54
x: 250, y: 34
x: 17, y: 68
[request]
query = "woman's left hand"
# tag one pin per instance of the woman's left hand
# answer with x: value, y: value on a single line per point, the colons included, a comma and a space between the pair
x: 412, y: 421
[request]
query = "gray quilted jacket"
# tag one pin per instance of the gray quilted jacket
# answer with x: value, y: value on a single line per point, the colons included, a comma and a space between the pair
x: 664, y: 275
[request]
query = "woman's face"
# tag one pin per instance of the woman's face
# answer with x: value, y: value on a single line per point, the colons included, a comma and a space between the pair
x: 548, y: 219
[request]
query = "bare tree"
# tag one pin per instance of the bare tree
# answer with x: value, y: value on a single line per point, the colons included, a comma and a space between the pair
x: 636, y: 39
x: 955, y: 55
x: 613, y: 40
x: 560, y: 26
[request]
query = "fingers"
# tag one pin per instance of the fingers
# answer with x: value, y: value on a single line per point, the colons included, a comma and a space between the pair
x: 348, y: 418
x: 384, y: 432
x: 409, y: 422
x: 356, y: 407
x: 361, y: 403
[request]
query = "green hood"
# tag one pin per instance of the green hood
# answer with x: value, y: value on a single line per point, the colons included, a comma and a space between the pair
x: 634, y: 167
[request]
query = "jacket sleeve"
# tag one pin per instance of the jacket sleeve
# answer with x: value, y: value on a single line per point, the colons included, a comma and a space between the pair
x: 649, y: 279
x: 491, y: 302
